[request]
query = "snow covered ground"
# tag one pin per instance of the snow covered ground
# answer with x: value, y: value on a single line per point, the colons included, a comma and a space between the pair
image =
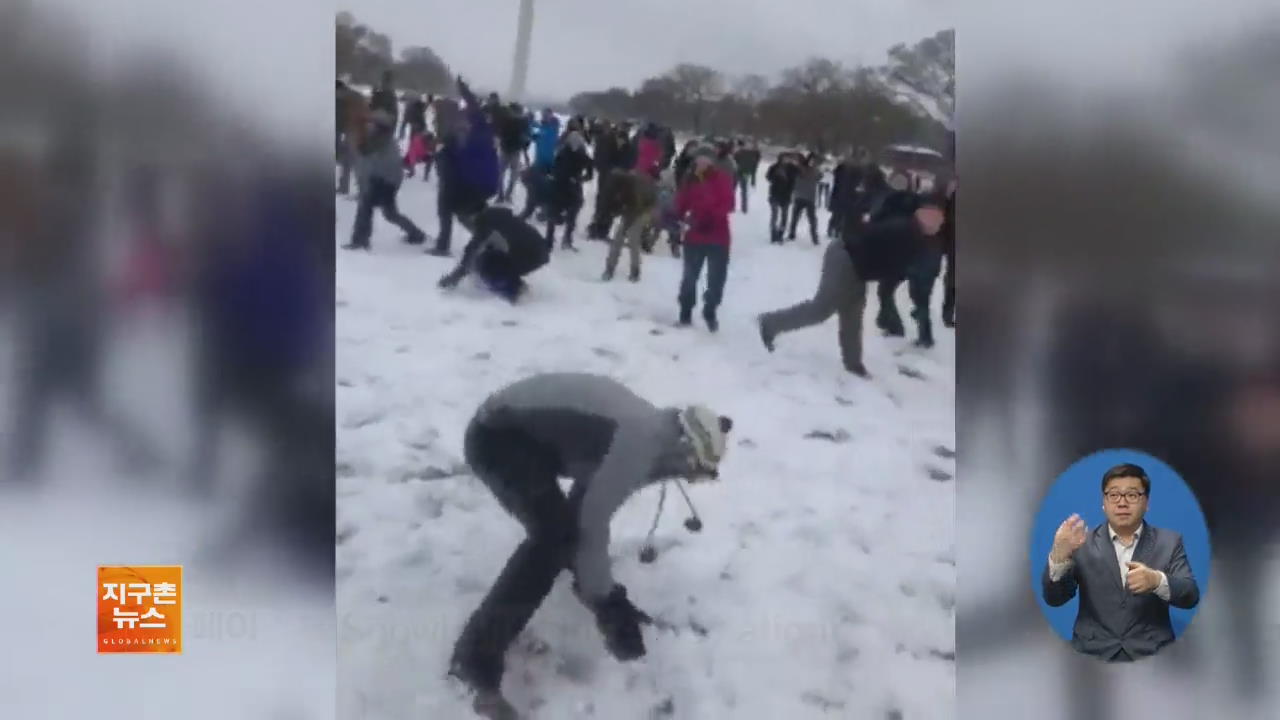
x: 823, y: 584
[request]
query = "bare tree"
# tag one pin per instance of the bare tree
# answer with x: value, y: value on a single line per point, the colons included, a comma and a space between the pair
x: 694, y: 85
x: 925, y: 74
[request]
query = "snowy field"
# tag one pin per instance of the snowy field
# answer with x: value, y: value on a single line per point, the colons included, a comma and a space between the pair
x: 823, y: 584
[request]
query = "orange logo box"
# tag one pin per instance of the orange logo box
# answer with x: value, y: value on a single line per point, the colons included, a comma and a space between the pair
x: 140, y: 609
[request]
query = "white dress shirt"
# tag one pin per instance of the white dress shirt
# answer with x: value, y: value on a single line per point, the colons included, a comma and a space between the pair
x: 1124, y: 555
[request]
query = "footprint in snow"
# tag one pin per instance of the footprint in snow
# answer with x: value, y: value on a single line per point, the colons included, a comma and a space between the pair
x: 911, y: 373
x: 945, y: 452
x: 939, y: 475
x: 821, y: 702
x: 836, y: 436
x: 606, y: 353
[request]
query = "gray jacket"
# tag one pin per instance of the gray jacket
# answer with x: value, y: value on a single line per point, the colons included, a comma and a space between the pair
x: 1111, y: 619
x: 380, y: 158
x: 807, y: 184
x: 610, y: 441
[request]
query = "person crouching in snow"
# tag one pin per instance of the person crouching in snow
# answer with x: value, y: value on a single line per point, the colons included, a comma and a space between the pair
x: 705, y: 199
x: 503, y: 250
x: 570, y: 168
x: 612, y: 443
x: 883, y: 251
x: 380, y: 174
x: 634, y: 196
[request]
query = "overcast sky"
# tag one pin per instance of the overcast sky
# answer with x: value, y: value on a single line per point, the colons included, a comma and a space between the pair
x: 594, y: 44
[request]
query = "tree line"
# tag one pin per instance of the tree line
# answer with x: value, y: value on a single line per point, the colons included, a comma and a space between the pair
x: 820, y: 103
x: 363, y: 54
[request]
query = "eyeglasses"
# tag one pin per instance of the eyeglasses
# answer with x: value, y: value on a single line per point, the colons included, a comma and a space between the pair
x: 1131, y: 496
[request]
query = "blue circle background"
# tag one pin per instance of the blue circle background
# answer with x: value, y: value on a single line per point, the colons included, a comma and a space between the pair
x: 1079, y: 490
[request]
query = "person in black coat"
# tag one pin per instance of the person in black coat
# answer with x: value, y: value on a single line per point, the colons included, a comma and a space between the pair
x: 572, y: 167
x: 384, y: 98
x: 781, y: 177
x: 606, y: 157
x: 845, y: 193
x: 920, y: 274
x: 684, y: 161
x: 883, y: 250
x: 949, y: 252
x: 668, y: 147
x: 415, y: 117
x: 503, y: 250
x: 513, y: 138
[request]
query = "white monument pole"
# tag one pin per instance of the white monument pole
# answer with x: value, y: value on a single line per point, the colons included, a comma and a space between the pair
x: 520, y: 68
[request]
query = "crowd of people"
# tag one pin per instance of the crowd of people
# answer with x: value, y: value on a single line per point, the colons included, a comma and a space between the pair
x: 881, y: 226
x: 881, y: 230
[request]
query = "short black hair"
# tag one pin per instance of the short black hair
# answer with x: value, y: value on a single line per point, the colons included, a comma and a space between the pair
x: 1127, y: 470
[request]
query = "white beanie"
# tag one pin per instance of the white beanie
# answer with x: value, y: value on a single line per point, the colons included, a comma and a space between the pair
x: 705, y: 432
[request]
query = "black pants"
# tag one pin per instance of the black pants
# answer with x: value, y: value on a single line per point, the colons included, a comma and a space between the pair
x: 744, y: 180
x: 381, y: 194
x: 824, y: 194
x: 806, y: 207
x: 450, y: 202
x: 835, y: 223
x: 778, y: 211
x: 565, y: 213
x: 949, y: 289
x: 522, y: 475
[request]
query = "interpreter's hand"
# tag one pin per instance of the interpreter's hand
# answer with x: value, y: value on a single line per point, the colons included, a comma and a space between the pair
x: 1141, y: 579
x: 1069, y: 537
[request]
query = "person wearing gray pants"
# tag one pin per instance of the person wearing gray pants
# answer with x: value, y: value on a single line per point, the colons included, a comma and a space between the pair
x: 840, y: 291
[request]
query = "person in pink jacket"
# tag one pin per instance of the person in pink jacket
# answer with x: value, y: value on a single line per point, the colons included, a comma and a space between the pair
x: 649, y: 152
x: 704, y: 203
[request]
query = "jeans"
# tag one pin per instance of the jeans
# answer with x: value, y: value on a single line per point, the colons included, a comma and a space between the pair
x: 511, y: 171
x: 744, y: 180
x: 716, y: 258
x: 920, y: 279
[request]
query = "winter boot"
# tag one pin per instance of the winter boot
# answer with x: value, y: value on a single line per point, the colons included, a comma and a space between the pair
x: 608, y: 275
x: 710, y: 316
x: 767, y: 335
x: 635, y: 275
x: 686, y: 316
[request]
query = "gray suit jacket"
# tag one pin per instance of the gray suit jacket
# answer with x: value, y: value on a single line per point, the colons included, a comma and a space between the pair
x: 1113, y: 623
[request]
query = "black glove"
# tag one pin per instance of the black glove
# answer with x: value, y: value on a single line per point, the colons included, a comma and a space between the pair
x: 619, y: 622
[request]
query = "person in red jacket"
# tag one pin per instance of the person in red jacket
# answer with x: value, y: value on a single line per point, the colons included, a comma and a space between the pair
x: 704, y: 203
x: 649, y: 152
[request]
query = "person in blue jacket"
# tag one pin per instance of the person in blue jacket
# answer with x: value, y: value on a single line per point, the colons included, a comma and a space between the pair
x: 467, y: 163
x: 537, y: 178
x: 547, y: 141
